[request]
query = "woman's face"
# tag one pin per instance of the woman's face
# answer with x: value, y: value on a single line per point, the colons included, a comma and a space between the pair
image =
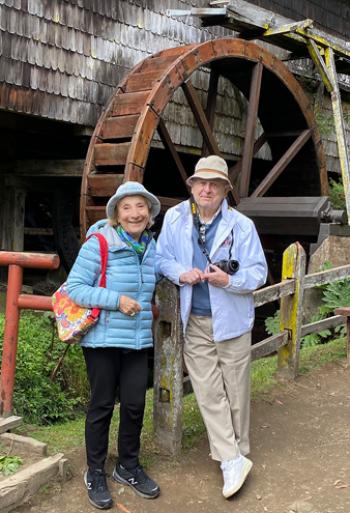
x: 133, y: 215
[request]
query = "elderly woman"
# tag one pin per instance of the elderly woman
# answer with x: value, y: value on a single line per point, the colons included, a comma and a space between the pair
x: 115, y: 349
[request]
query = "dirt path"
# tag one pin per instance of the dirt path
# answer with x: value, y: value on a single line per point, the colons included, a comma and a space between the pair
x: 300, y: 448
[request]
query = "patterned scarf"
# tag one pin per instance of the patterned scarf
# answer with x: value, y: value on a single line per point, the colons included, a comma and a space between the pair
x: 138, y: 246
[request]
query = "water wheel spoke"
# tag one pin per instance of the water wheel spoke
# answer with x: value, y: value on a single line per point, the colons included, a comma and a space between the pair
x: 199, y: 114
x: 169, y: 145
x: 235, y: 170
x: 252, y: 116
x: 282, y: 163
x: 211, y: 104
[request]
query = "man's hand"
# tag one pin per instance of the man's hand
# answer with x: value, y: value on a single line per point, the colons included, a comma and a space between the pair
x: 192, y: 277
x: 129, y: 306
x: 215, y: 276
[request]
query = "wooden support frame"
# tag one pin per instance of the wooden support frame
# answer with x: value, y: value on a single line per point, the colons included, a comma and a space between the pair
x: 338, y: 115
x: 252, y: 116
x: 293, y: 266
x: 199, y: 114
x: 282, y: 163
x: 169, y: 145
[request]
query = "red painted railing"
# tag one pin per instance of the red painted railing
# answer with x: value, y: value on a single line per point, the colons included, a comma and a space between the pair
x: 15, y: 302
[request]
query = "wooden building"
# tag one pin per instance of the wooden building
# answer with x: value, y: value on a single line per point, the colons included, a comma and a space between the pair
x: 60, y: 61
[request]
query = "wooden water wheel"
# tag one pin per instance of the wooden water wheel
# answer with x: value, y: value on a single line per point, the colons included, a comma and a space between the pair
x: 121, y: 146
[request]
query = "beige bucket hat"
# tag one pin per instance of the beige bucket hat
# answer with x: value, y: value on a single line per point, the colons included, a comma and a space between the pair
x: 210, y: 168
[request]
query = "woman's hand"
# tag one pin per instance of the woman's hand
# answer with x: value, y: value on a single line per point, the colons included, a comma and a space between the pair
x: 129, y: 306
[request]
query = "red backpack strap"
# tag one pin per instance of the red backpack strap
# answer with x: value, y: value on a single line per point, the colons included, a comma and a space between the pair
x: 104, y: 256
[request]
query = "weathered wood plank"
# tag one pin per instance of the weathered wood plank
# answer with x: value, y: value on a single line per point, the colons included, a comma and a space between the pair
x: 142, y: 81
x: 329, y: 276
x: 95, y: 213
x: 104, y: 185
x: 198, y: 112
x: 169, y: 145
x: 168, y: 372
x: 119, y: 127
x: 7, y: 423
x: 324, y: 324
x: 273, y: 292
x: 211, y: 104
x: 252, y: 116
x: 269, y: 345
x: 111, y: 154
x: 345, y: 311
x: 129, y: 103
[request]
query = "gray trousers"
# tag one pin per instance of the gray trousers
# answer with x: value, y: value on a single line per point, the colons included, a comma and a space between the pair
x: 220, y: 376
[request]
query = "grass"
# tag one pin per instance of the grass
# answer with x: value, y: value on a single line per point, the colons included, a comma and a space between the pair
x: 70, y: 435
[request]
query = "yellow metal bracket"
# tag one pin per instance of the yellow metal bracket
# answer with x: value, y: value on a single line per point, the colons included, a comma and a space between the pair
x: 288, y: 28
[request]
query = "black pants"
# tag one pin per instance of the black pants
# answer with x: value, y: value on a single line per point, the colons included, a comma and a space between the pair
x: 109, y: 369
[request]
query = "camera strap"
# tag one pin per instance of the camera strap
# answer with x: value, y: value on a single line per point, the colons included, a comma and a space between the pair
x: 201, y: 229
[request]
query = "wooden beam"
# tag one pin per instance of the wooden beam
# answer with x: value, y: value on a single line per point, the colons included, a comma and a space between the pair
x: 7, y: 423
x: 234, y: 170
x: 169, y: 145
x: 118, y: 127
x: 211, y: 104
x: 338, y: 115
x: 60, y: 168
x: 252, y: 116
x: 269, y: 345
x: 283, y: 162
x: 200, y: 117
x: 329, y: 276
x: 324, y: 324
x: 104, y: 185
x: 273, y: 292
x: 111, y: 154
x: 320, y: 64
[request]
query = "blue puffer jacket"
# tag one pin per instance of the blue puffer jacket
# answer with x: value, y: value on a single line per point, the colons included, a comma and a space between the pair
x: 125, y: 276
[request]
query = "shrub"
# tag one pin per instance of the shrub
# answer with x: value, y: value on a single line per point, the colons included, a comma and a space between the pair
x: 37, y: 398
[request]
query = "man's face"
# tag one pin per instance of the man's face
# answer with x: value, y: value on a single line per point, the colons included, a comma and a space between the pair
x: 208, y: 194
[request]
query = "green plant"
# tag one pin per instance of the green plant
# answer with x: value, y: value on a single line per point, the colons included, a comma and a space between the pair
x: 9, y: 464
x: 334, y: 295
x: 272, y: 323
x: 38, y: 398
x: 336, y: 194
x: 324, y: 122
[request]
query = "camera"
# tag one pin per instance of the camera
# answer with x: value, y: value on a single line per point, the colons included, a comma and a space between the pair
x: 228, y: 266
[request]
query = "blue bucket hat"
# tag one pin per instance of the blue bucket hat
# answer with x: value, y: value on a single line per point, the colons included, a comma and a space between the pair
x: 132, y: 189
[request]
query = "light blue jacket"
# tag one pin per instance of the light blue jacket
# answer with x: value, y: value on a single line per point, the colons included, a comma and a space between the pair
x: 232, y: 306
x: 125, y: 276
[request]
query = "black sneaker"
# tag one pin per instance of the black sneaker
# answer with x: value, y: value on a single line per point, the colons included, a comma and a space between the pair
x: 96, y: 484
x: 137, y: 478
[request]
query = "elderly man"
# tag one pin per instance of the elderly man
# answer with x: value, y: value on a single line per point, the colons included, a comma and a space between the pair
x: 214, y: 253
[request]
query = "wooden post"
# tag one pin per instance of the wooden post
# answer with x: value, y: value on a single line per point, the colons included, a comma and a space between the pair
x: 168, y: 372
x: 12, y: 218
x: 346, y: 311
x: 338, y: 115
x: 291, y: 319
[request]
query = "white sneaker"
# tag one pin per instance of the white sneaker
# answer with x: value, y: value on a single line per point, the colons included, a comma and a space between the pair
x: 234, y: 473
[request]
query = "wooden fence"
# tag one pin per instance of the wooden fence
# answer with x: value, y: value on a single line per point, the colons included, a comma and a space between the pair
x: 168, y: 371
